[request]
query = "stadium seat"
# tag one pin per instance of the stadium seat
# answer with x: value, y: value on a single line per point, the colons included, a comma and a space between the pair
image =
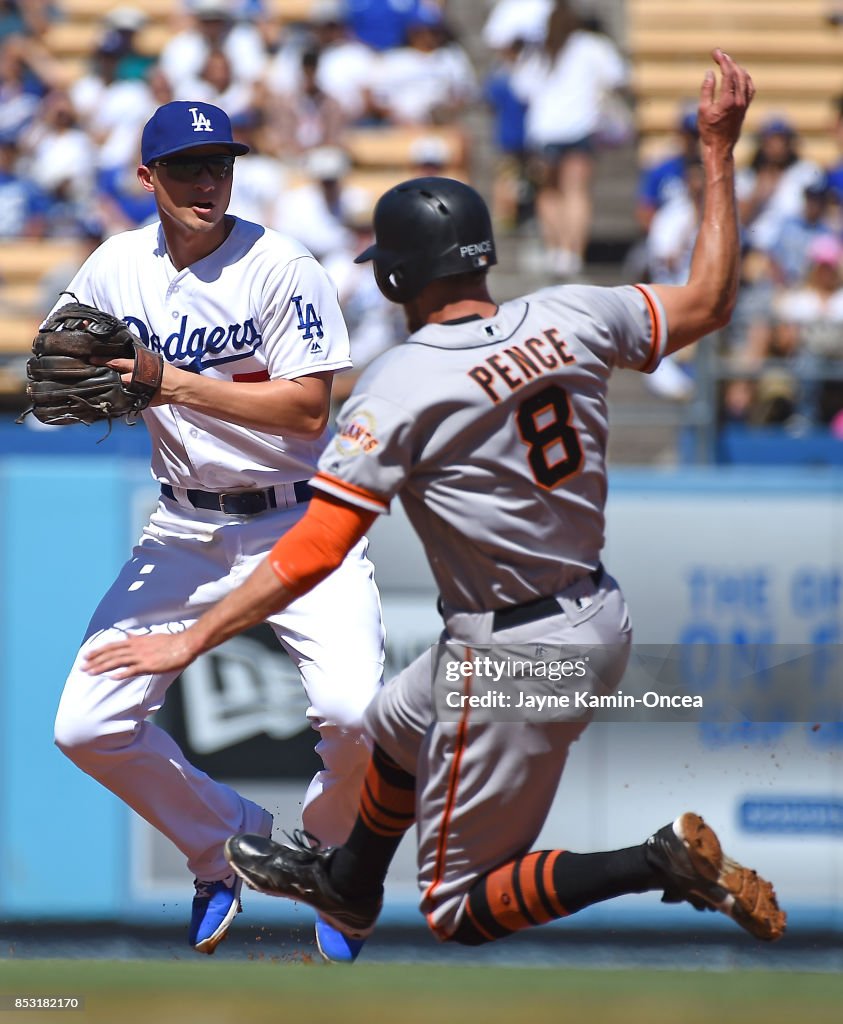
x: 794, y: 53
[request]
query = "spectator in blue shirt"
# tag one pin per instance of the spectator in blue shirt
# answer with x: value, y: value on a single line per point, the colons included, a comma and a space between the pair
x: 381, y: 24
x: 667, y: 178
x: 835, y: 173
x: 511, y: 189
x: 23, y: 206
x: 26, y: 74
x: 789, y: 253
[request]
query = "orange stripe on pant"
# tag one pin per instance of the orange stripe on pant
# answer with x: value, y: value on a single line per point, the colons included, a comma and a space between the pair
x: 450, y: 800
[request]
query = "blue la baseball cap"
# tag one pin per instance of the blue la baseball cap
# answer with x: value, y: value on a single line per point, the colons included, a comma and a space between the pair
x: 184, y: 124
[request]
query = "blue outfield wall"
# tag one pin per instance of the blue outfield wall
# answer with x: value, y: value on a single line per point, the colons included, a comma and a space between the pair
x: 63, y: 534
x: 68, y: 522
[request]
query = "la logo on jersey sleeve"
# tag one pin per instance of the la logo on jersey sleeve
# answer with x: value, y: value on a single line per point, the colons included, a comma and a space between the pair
x: 309, y: 323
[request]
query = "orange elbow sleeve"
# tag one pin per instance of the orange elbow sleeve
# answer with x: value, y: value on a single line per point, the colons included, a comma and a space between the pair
x: 318, y: 543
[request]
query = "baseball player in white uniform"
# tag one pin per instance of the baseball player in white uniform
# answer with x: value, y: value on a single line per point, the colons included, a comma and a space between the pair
x: 490, y: 424
x: 251, y: 333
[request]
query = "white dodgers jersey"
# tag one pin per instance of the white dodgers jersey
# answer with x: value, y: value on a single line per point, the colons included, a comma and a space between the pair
x: 493, y: 432
x: 257, y: 308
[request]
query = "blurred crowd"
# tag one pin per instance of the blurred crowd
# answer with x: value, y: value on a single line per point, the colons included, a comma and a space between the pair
x: 70, y: 148
x: 295, y: 90
x: 555, y: 87
x: 782, y: 357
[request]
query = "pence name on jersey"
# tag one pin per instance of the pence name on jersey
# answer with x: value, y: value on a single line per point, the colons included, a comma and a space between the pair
x: 515, y: 407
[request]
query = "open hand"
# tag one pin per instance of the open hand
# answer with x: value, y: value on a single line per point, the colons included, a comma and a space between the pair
x: 141, y: 655
x: 720, y: 117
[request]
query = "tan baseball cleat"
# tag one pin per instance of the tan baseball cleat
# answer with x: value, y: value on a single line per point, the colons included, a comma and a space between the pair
x: 688, y: 854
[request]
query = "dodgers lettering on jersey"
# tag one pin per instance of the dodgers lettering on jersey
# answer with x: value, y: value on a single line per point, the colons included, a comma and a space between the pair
x: 500, y: 423
x: 200, y: 347
x: 257, y: 308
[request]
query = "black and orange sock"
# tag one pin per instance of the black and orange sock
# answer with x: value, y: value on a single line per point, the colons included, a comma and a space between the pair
x: 387, y: 809
x: 548, y: 884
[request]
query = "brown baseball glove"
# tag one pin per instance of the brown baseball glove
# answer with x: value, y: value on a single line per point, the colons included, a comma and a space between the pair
x: 65, y: 387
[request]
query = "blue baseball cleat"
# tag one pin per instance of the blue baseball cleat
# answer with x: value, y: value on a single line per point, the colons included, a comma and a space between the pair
x: 215, y: 906
x: 335, y: 947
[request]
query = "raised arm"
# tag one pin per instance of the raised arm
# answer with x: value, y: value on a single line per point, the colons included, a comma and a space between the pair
x: 706, y: 302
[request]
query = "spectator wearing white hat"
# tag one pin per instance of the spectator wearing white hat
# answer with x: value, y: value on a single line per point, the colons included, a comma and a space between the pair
x: 260, y: 175
x: 516, y: 21
x: 314, y: 212
x: 374, y: 324
x: 217, y: 84
x: 213, y: 25
x: 429, y: 80
x: 345, y: 64
x: 127, y: 22
x: 429, y: 155
x: 110, y: 109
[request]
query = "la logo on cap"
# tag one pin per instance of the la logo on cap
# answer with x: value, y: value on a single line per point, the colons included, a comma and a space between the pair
x: 201, y: 123
x: 183, y: 124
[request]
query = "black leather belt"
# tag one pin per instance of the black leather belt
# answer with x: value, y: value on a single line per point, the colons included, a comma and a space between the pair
x: 239, y: 503
x: 532, y: 611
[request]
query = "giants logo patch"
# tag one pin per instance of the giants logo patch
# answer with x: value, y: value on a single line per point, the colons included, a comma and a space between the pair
x: 358, y: 436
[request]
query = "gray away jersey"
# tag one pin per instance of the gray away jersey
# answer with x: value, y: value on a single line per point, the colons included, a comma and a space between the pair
x: 493, y: 432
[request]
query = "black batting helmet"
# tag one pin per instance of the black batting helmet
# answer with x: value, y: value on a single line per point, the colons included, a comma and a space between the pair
x: 428, y: 228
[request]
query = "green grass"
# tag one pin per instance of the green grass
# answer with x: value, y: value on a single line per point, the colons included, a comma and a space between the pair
x: 276, y: 992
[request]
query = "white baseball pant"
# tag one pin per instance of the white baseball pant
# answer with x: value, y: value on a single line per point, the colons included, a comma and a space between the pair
x: 182, y: 565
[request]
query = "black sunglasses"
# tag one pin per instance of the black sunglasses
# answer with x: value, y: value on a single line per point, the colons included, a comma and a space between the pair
x: 189, y: 168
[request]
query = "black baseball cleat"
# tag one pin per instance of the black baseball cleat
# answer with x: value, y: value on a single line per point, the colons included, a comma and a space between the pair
x: 301, y: 873
x: 695, y: 869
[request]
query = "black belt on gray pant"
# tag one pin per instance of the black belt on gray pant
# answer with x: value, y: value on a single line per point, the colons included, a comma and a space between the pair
x: 239, y: 503
x: 532, y: 611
